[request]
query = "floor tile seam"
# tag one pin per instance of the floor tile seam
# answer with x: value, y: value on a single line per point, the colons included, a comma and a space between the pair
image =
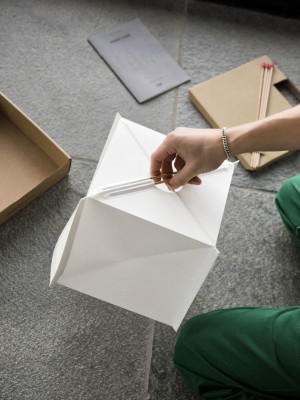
x: 259, y: 190
x: 149, y: 349
x: 179, y: 60
x: 84, y: 160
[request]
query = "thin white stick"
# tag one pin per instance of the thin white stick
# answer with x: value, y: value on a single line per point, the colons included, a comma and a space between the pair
x: 255, y: 156
x: 267, y: 89
x: 270, y: 73
x: 262, y: 79
x: 264, y: 96
x: 263, y: 104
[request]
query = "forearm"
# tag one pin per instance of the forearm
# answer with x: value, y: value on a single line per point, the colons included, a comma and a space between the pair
x: 278, y: 132
x: 194, y: 151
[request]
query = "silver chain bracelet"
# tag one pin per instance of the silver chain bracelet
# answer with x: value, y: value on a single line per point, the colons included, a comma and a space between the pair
x: 225, y: 143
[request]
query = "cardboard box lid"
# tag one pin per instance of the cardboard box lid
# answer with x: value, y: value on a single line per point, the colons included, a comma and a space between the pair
x: 30, y: 162
x: 231, y: 98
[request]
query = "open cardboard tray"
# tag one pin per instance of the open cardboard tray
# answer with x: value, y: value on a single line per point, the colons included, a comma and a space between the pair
x: 231, y: 98
x: 30, y: 162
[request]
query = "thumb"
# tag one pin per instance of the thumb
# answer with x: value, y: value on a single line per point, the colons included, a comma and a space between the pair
x: 182, y: 177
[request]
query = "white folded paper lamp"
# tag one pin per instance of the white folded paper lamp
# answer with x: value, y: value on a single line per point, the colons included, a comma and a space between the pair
x: 147, y: 250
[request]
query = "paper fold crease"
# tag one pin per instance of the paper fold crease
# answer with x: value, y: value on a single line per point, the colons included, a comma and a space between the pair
x: 148, y: 251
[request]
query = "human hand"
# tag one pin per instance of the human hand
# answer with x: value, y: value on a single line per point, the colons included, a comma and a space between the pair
x: 193, y: 151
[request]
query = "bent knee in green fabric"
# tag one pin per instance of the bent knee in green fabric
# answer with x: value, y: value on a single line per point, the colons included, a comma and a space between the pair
x: 189, y: 357
x: 239, y: 353
x: 288, y: 204
x: 201, y: 361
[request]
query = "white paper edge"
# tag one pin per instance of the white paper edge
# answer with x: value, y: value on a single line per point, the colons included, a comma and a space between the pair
x: 193, y: 292
x: 64, y: 244
x: 107, y: 143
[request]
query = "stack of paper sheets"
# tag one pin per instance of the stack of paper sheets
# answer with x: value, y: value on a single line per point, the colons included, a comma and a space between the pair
x: 147, y: 250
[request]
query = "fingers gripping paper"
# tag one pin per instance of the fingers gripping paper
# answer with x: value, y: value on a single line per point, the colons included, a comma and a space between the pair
x: 148, y: 251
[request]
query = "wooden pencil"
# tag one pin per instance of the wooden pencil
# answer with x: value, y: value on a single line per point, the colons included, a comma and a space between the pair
x: 255, y: 155
x: 263, y: 70
x: 263, y: 100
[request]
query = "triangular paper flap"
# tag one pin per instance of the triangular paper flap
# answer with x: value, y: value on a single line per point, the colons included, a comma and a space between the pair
x: 208, y: 206
x: 135, y: 264
x: 161, y: 208
x: 130, y: 148
x: 111, y: 235
x: 64, y: 244
x: 122, y: 158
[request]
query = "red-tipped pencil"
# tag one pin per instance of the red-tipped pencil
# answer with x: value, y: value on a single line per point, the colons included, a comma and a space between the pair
x: 263, y: 99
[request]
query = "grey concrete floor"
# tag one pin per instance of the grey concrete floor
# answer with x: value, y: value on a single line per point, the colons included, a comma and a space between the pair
x: 56, y: 343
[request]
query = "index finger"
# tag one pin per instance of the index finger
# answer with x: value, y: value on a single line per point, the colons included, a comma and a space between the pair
x: 161, y: 161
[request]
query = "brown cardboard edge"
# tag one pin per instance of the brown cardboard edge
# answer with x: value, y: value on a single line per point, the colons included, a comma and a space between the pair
x: 284, y: 153
x: 56, y: 154
x: 55, y: 177
x: 198, y: 105
x: 33, y: 131
x: 248, y: 167
x: 213, y: 123
x: 293, y: 88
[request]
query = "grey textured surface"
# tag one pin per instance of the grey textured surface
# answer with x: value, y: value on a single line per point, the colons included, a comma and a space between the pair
x: 56, y: 343
x: 53, y: 74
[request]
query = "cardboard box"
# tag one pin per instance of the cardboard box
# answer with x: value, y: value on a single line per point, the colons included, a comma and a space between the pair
x: 231, y: 99
x: 30, y: 162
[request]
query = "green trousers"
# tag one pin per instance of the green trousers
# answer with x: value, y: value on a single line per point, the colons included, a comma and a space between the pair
x: 241, y: 354
x: 288, y: 205
x: 246, y: 353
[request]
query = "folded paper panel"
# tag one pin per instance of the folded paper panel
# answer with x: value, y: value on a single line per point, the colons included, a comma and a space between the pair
x: 163, y: 208
x: 130, y: 148
x: 121, y: 160
x: 145, y: 250
x: 126, y: 155
x: 207, y: 201
x: 135, y: 264
x: 106, y: 235
x: 147, y: 285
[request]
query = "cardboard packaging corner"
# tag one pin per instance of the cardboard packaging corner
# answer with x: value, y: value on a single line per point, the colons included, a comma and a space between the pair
x: 30, y: 161
x: 230, y: 99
